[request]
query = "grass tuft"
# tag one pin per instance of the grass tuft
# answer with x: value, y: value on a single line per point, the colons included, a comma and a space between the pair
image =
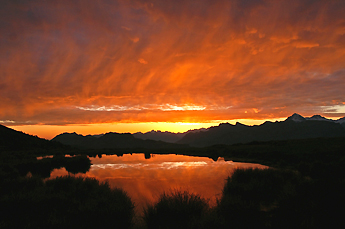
x: 176, y: 210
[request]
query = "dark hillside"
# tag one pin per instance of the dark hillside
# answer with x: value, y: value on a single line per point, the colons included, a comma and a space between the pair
x: 11, y: 140
x: 110, y: 141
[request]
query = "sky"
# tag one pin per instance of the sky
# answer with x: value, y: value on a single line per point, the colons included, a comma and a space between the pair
x: 131, y: 65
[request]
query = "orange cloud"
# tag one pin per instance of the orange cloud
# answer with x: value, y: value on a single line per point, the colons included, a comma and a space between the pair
x: 66, y: 62
x: 142, y: 61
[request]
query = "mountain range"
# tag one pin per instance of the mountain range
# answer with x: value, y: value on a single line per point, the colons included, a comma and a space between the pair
x: 294, y: 127
x: 110, y: 141
x: 299, y: 118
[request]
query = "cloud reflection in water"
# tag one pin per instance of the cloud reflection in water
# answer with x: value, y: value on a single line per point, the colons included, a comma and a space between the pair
x: 146, y: 179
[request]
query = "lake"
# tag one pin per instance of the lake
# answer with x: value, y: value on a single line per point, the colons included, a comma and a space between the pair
x: 145, y: 179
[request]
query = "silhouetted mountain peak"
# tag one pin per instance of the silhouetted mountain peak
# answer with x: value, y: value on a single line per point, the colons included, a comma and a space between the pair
x: 296, y: 118
x: 240, y: 124
x: 267, y: 123
x: 318, y: 118
x: 221, y: 126
x: 74, y: 133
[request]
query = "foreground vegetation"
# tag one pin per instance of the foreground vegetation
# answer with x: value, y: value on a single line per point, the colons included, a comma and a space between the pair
x: 304, y: 188
x: 19, y: 165
x: 272, y: 198
x: 256, y: 198
x: 64, y: 202
x: 179, y: 209
x: 260, y: 198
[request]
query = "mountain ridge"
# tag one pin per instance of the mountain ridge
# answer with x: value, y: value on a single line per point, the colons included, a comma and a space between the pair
x: 165, y: 136
x: 111, y: 140
x: 294, y: 127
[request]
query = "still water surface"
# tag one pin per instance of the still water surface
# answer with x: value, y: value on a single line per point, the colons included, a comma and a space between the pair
x: 146, y: 179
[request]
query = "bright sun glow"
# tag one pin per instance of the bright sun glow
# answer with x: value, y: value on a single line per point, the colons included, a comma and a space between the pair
x: 50, y: 131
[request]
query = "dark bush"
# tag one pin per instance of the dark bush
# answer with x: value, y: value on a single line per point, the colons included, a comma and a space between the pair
x: 65, y: 202
x: 250, y: 196
x: 177, y: 210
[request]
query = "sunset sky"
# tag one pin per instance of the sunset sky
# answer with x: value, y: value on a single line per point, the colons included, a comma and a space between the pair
x: 94, y: 66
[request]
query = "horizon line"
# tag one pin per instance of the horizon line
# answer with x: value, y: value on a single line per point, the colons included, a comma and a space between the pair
x: 50, y: 131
